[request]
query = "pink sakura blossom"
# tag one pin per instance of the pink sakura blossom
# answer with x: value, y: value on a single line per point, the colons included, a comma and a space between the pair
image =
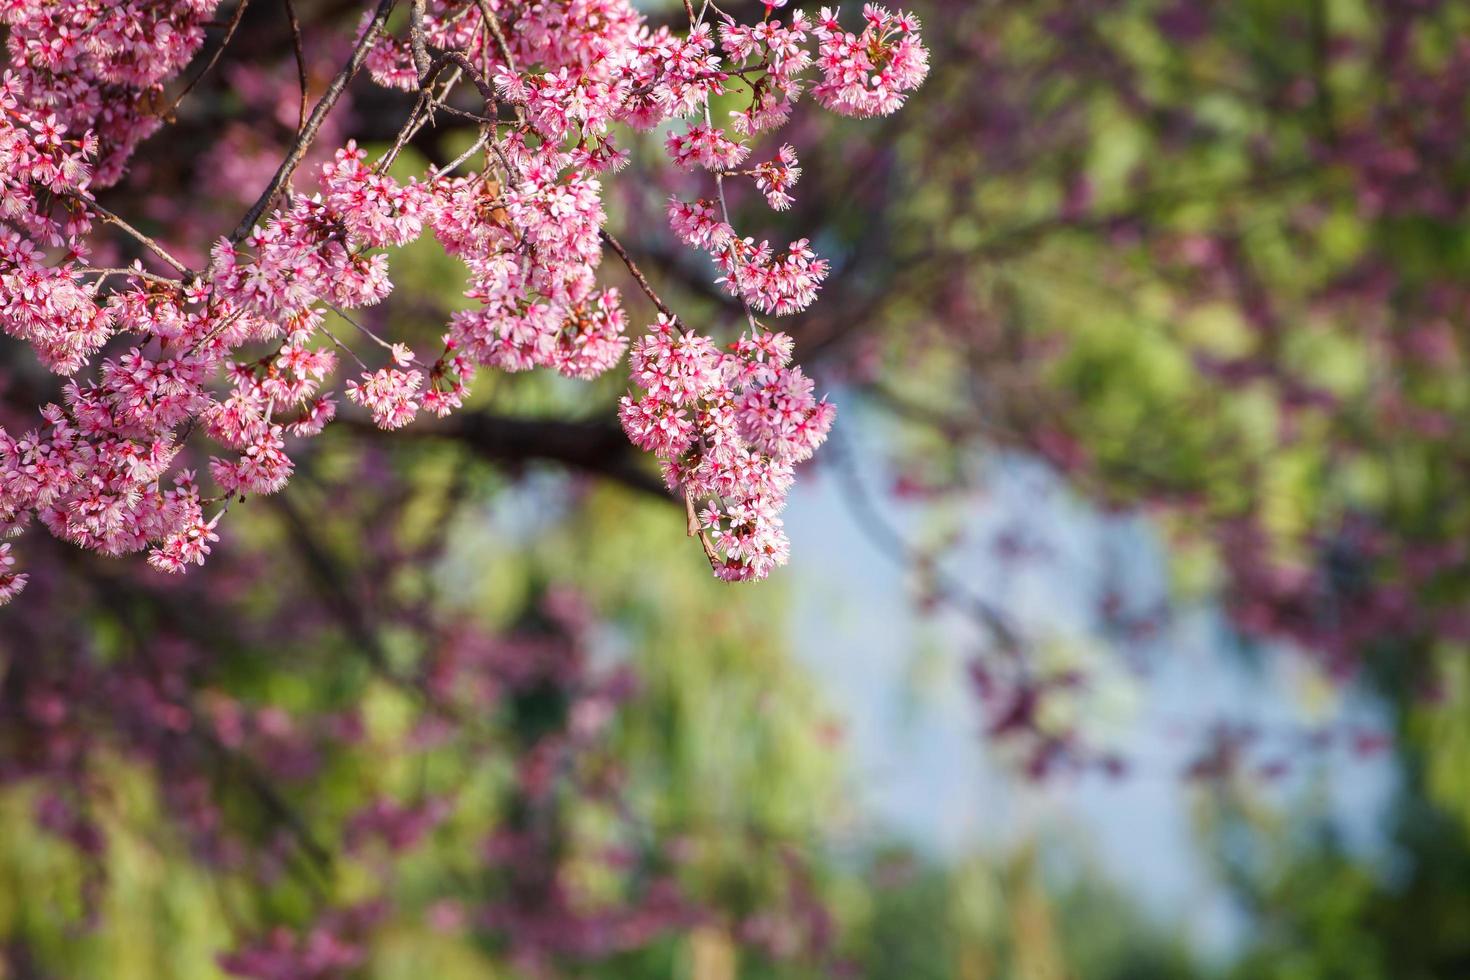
x: 784, y: 46
x: 317, y: 251
x: 590, y: 340
x: 557, y: 101
x: 60, y: 52
x: 777, y: 176
x: 262, y: 468
x: 305, y: 363
x: 672, y: 365
x: 11, y: 583
x: 782, y: 418
x: 671, y: 77
x: 189, y: 543
x: 699, y: 224
x: 314, y: 417
x: 375, y: 209
x: 656, y: 426
x: 48, y: 307
x: 778, y: 285
x: 781, y: 51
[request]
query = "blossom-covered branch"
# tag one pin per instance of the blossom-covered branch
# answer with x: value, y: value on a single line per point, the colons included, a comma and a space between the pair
x: 156, y: 361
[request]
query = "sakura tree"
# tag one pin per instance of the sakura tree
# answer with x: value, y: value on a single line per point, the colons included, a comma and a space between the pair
x: 1205, y: 259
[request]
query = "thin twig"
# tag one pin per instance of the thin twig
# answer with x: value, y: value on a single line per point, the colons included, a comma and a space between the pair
x: 457, y: 58
x: 465, y: 113
x: 214, y: 59
x: 361, y: 329
x: 345, y: 349
x: 463, y: 66
x: 696, y: 530
x: 734, y: 245
x: 896, y: 547
x: 219, y: 328
x: 498, y: 31
x: 143, y: 239
x: 453, y: 165
x: 300, y: 62
x: 410, y: 128
x: 314, y: 123
x: 139, y: 273
x: 638, y: 275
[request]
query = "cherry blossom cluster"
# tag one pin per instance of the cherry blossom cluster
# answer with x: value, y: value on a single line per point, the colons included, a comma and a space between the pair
x: 332, y: 946
x: 867, y: 74
x: 241, y: 351
x: 318, y: 252
x: 773, y: 284
x: 532, y: 249
x: 776, y: 177
x: 96, y: 70
x: 728, y: 428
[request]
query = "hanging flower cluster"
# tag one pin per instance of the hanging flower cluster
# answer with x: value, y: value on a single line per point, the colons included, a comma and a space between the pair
x: 727, y: 428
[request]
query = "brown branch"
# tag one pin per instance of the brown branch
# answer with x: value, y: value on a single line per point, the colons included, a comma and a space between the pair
x: 213, y: 60
x: 668, y: 264
x: 139, y: 273
x: 638, y: 275
x: 457, y: 58
x: 695, y: 529
x: 465, y: 113
x: 418, y: 43
x: 314, y: 123
x: 300, y: 62
x: 426, y: 98
x: 157, y: 249
x: 598, y: 449
x: 406, y: 132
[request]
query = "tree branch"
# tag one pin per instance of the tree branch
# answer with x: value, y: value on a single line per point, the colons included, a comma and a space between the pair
x: 157, y: 249
x: 597, y: 448
x: 637, y: 274
x: 314, y: 123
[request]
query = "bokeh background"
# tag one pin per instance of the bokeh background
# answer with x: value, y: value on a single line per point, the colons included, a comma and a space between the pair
x: 1125, y: 634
